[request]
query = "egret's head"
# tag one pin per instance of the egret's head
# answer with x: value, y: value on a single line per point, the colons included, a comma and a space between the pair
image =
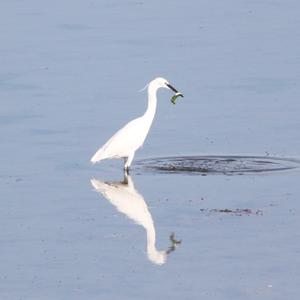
x: 160, y: 82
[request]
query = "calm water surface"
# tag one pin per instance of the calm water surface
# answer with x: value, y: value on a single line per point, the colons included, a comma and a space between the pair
x: 69, y: 77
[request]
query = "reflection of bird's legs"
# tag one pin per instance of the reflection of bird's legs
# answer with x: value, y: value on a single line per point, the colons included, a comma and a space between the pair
x: 128, y: 161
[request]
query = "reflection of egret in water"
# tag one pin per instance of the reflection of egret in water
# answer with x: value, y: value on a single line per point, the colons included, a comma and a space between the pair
x: 127, y: 200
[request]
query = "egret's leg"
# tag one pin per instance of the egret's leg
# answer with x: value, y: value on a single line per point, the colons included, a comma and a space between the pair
x: 128, y: 161
x: 125, y: 181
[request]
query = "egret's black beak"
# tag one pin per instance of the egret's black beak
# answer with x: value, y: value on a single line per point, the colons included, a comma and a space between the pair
x: 173, y: 89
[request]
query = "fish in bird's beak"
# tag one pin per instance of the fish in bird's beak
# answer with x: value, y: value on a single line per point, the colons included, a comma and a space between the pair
x: 177, y: 94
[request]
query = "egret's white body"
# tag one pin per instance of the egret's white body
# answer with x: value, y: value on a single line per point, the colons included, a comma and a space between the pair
x: 128, y: 139
x: 128, y: 201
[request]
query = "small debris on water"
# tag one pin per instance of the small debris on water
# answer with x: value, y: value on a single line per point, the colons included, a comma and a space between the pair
x: 233, y: 212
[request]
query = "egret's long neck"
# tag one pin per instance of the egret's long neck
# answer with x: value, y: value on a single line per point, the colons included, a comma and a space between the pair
x: 152, y: 100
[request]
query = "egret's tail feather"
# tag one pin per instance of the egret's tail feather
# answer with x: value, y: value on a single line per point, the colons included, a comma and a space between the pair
x: 98, y: 156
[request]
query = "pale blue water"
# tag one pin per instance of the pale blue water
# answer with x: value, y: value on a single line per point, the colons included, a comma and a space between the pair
x: 69, y: 78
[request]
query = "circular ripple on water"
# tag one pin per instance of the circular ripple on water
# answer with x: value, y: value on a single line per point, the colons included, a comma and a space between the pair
x: 204, y: 165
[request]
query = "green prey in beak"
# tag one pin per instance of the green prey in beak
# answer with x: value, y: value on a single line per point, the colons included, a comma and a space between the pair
x: 177, y: 94
x: 173, y: 99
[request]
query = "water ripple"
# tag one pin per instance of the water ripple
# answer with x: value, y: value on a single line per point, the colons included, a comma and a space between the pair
x: 228, y: 165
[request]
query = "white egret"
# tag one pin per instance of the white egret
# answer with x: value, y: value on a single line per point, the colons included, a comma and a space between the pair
x: 128, y: 139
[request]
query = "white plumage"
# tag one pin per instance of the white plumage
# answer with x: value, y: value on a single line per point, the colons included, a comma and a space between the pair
x: 128, y: 139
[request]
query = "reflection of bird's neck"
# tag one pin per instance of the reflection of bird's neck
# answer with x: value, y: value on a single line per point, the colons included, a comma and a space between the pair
x: 150, y: 235
x: 158, y: 257
x: 152, y: 100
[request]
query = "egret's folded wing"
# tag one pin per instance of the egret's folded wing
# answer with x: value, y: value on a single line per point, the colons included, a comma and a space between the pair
x: 120, y: 144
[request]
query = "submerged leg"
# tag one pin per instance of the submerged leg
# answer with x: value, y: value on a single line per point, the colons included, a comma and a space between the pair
x: 128, y: 162
x: 125, y: 180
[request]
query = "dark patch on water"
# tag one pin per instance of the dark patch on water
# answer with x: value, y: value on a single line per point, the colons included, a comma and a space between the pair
x: 227, y: 165
x: 9, y: 179
x: 232, y: 212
